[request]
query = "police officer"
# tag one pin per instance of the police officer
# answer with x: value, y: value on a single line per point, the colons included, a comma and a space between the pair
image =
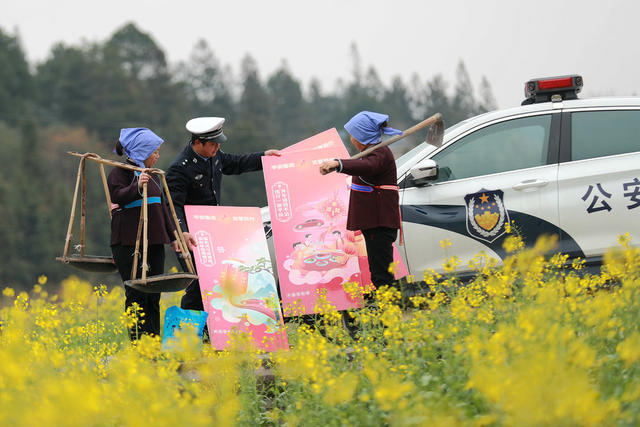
x: 195, y: 177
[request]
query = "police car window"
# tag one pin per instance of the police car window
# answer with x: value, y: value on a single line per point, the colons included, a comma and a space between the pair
x: 604, y: 133
x: 515, y: 144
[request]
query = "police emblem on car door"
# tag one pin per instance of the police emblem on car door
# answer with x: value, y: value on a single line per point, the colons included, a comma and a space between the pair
x: 486, y: 214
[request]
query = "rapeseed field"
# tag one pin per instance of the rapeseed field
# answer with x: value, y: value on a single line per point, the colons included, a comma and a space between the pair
x: 527, y: 342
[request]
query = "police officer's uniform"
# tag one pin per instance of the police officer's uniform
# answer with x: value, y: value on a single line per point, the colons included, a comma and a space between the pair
x: 195, y: 180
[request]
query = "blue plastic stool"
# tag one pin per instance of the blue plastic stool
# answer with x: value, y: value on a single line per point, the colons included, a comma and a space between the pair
x: 175, y: 318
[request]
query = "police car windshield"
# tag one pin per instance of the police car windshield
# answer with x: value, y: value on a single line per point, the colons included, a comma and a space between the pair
x: 423, y: 146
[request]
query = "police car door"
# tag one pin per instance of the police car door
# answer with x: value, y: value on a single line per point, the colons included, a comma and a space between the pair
x: 500, y: 172
x: 599, y: 179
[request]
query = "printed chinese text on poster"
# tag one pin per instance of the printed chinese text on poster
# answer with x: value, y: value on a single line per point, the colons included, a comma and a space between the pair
x: 236, y: 279
x: 315, y: 253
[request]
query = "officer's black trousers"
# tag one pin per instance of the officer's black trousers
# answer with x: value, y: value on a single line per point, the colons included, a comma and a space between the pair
x: 149, y: 302
x: 192, y: 298
x: 379, y: 242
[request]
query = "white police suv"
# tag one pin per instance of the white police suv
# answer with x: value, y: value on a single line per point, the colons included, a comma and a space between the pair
x: 555, y: 165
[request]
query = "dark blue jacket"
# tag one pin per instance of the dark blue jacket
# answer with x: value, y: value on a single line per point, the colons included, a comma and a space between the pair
x: 193, y: 180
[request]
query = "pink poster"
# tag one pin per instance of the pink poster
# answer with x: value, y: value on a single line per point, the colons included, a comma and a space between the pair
x: 236, y: 279
x: 329, y: 139
x: 315, y: 253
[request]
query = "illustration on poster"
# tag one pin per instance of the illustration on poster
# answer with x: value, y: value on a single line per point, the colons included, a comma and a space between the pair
x: 237, y: 301
x: 322, y: 253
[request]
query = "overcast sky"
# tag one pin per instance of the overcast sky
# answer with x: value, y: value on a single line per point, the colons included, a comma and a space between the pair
x: 509, y: 42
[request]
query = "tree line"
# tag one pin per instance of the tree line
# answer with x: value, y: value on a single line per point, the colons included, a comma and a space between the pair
x: 80, y: 96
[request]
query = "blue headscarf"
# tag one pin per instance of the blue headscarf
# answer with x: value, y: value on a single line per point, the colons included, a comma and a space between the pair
x: 366, y: 128
x: 139, y: 144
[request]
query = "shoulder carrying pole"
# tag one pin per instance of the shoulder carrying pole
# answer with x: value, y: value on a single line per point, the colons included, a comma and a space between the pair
x: 67, y: 241
x: 180, y: 236
x: 83, y: 208
x: 142, y: 225
x: 106, y: 188
x: 145, y: 232
x: 136, y: 252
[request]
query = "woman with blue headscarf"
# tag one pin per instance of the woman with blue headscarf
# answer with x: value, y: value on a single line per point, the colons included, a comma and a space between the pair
x: 373, y: 201
x: 141, y: 146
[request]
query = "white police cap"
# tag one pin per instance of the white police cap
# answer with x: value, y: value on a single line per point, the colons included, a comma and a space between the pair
x: 207, y: 128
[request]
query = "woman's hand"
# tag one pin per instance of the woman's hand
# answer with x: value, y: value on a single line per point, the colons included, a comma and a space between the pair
x: 175, y: 246
x: 272, y: 153
x: 144, y: 177
x: 329, y: 166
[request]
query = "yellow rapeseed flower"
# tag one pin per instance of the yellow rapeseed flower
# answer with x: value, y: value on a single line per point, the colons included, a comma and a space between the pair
x: 444, y: 244
x: 629, y: 349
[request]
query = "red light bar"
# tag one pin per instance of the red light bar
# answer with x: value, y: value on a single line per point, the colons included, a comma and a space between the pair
x: 555, y: 83
x: 543, y: 90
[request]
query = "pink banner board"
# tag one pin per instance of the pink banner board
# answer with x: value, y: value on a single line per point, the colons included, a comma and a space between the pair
x: 329, y: 139
x: 314, y: 251
x: 236, y: 279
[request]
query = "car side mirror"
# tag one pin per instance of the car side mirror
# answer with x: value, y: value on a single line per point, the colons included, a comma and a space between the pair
x: 424, y: 171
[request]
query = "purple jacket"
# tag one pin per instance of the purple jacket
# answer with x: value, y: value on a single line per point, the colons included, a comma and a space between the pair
x: 123, y: 188
x: 378, y: 208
